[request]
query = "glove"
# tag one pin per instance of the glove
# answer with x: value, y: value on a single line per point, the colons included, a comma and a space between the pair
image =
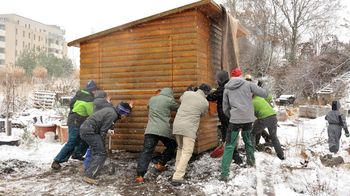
x: 260, y: 83
x: 110, y: 131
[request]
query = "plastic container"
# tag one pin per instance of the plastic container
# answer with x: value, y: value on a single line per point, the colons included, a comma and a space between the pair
x: 50, y: 137
x: 41, y: 129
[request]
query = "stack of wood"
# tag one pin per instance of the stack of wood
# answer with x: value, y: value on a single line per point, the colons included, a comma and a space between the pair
x: 44, y: 99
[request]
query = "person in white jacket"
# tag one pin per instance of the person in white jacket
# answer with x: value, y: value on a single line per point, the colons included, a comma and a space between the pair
x: 186, y: 123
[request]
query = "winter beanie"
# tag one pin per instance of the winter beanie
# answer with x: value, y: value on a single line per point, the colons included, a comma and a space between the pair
x: 222, y: 76
x: 91, y: 86
x: 123, y: 108
x: 236, y: 72
x: 248, y: 77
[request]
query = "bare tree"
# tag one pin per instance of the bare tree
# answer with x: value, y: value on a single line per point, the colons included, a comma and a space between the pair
x: 301, y: 15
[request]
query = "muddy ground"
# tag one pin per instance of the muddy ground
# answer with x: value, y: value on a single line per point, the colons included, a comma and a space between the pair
x: 25, y: 178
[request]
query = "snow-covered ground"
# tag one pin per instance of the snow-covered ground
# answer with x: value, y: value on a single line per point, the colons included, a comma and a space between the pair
x: 25, y: 169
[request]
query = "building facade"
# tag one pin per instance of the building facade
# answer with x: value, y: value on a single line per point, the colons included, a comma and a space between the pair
x: 18, y: 33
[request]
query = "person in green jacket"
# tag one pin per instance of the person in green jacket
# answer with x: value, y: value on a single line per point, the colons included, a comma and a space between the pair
x: 266, y: 118
x: 81, y: 107
x: 158, y: 129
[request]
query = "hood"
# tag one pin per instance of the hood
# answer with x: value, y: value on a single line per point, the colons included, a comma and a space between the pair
x: 335, y: 105
x: 166, y: 92
x: 234, y: 83
x: 222, y: 77
x: 100, y: 94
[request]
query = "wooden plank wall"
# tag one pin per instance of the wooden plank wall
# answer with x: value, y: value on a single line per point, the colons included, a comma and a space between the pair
x: 132, y: 64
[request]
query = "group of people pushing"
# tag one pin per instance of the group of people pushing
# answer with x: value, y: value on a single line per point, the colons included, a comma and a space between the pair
x: 242, y: 106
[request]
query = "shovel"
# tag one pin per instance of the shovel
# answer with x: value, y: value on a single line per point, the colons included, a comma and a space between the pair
x: 218, y: 151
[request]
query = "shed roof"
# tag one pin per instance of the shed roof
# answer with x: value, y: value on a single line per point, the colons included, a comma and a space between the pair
x: 209, y: 7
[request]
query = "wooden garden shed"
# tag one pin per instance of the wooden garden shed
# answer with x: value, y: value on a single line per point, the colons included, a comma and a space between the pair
x: 176, y: 48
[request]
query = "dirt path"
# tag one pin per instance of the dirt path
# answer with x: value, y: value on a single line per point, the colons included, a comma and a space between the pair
x: 265, y: 178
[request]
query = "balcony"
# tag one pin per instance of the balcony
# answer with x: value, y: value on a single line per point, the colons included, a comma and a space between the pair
x: 2, y: 44
x: 2, y: 56
x: 2, y: 32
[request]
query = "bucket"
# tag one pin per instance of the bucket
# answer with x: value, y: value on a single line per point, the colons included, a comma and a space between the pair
x: 41, y: 129
x: 49, y: 137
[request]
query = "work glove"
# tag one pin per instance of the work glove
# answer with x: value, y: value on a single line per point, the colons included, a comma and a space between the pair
x: 110, y: 131
x: 260, y: 83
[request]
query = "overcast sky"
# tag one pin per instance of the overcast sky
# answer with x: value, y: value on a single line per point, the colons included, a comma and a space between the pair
x: 80, y: 18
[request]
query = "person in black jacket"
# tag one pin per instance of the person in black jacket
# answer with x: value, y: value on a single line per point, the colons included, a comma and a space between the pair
x: 222, y: 78
x: 94, y: 130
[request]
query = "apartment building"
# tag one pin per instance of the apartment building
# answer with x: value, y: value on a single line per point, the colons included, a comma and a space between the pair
x: 18, y: 33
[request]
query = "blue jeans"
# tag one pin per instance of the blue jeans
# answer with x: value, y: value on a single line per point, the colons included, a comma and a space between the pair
x: 74, y: 146
x: 149, y: 145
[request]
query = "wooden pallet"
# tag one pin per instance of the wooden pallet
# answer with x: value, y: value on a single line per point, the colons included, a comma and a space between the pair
x: 44, y: 99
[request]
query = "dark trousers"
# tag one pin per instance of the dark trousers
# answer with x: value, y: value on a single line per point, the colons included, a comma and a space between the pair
x: 98, y: 151
x: 74, y: 146
x: 271, y: 124
x: 149, y: 145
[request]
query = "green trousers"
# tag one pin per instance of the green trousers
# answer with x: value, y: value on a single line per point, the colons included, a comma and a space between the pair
x: 231, y: 143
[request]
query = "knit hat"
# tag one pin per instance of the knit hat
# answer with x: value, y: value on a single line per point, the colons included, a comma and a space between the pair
x: 222, y: 76
x: 248, y: 77
x: 123, y: 108
x: 91, y: 86
x: 236, y: 72
x: 205, y: 88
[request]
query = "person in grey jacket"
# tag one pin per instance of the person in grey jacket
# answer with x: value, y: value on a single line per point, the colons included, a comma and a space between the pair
x: 158, y: 129
x: 101, y: 100
x: 94, y: 130
x: 186, y: 123
x: 336, y: 122
x: 237, y: 105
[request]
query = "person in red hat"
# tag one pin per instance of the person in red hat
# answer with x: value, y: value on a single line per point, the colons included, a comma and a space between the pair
x: 237, y: 105
x: 222, y: 78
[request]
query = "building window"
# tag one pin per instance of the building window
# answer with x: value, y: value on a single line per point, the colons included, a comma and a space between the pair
x: 2, y: 26
x: 39, y: 38
x: 24, y: 33
x: 16, y: 31
x: 2, y: 38
x: 16, y: 53
x: 29, y: 35
x: 2, y: 62
x: 28, y: 45
x: 23, y: 45
x: 34, y: 36
x: 16, y: 42
x: 2, y: 50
